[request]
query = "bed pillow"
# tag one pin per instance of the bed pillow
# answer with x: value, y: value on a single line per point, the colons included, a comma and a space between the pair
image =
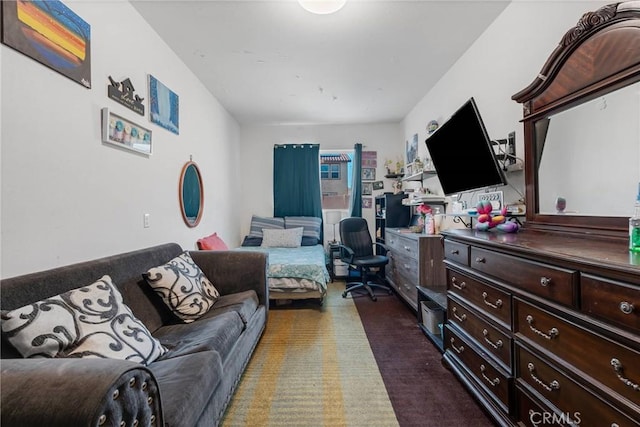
x: 183, y: 287
x: 259, y: 223
x: 91, y: 321
x: 252, y: 241
x: 290, y: 238
x: 212, y: 243
x: 310, y: 224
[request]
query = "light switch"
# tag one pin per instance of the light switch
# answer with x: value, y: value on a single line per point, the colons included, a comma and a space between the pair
x: 146, y: 220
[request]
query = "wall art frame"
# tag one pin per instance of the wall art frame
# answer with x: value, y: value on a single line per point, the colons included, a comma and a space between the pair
x: 51, y: 34
x: 367, y: 188
x: 164, y: 106
x: 368, y: 174
x: 124, y: 133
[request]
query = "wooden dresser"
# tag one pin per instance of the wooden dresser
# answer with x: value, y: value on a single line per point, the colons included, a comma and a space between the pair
x: 414, y: 260
x: 544, y: 328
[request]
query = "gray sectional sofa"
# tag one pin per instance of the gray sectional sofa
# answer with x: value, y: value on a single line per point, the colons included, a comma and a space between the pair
x: 190, y: 384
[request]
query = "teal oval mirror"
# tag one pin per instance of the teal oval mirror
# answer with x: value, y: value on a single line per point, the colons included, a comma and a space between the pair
x: 191, y: 194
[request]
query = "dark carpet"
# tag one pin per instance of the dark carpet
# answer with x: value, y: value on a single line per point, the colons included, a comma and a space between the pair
x: 422, y: 390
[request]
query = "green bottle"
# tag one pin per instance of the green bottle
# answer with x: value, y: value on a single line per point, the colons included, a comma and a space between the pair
x: 634, y: 226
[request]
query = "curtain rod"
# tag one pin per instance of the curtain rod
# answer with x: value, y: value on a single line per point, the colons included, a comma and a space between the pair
x: 295, y: 145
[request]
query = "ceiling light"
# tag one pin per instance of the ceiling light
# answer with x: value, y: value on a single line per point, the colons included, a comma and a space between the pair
x: 322, y: 7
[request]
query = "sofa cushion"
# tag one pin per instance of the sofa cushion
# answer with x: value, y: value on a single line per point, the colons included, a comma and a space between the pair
x: 183, y: 287
x: 186, y: 385
x: 244, y: 303
x: 212, y: 243
x: 91, y: 321
x: 217, y: 333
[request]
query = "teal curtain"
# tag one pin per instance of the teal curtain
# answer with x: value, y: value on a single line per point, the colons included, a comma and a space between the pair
x: 356, y: 189
x: 296, y: 180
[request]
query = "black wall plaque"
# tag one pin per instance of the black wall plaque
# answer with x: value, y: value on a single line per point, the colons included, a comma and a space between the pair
x: 122, y: 92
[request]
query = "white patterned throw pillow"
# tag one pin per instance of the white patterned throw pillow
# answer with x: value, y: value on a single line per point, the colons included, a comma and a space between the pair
x: 91, y: 321
x: 290, y: 238
x: 183, y: 287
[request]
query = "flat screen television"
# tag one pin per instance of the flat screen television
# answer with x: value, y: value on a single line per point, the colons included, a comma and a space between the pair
x: 462, y: 154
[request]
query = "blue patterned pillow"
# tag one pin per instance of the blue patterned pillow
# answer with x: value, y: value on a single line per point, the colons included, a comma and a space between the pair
x: 91, y: 321
x: 310, y: 224
x: 259, y: 222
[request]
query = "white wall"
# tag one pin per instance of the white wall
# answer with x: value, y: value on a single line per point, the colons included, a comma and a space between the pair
x: 66, y: 197
x: 504, y: 60
x: 257, y: 158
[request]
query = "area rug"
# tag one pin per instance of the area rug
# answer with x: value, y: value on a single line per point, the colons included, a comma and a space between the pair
x: 312, y: 367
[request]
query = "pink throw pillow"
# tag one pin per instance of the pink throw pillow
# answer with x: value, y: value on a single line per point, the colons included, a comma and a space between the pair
x: 212, y: 243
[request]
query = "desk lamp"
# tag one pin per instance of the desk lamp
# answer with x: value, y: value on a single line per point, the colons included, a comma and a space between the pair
x: 333, y: 218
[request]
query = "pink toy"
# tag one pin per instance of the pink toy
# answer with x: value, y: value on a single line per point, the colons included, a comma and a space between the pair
x: 486, y: 221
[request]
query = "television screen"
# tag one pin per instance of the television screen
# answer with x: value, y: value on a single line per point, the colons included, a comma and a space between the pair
x: 462, y: 154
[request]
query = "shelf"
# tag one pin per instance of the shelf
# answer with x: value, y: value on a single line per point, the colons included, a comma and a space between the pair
x: 394, y: 175
x: 420, y: 176
x: 439, y: 297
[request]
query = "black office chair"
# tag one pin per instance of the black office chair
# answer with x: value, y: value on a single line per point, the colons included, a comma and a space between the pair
x: 356, y: 249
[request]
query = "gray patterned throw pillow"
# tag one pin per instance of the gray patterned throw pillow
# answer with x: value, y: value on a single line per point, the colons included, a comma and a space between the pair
x: 91, y: 321
x: 183, y: 287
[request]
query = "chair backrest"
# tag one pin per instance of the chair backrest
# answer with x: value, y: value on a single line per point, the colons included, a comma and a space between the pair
x: 354, y: 234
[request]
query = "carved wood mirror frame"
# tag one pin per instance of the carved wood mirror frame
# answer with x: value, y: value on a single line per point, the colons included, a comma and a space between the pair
x: 597, y: 56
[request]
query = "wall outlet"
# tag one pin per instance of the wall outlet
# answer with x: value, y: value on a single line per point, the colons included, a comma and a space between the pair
x: 145, y: 220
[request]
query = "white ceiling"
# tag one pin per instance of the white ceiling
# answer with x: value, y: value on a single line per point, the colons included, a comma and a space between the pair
x: 272, y: 62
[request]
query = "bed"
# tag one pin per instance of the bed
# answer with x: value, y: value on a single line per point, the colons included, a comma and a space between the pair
x: 296, y: 272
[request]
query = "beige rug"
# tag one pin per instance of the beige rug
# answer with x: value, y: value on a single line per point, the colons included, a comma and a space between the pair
x: 312, y: 367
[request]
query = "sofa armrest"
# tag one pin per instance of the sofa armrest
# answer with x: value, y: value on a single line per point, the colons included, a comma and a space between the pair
x: 235, y: 271
x: 80, y: 392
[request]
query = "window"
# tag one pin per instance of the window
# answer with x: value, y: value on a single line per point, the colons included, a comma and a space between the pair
x: 335, y: 178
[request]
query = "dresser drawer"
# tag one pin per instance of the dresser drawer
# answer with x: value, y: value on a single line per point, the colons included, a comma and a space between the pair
x: 493, y: 380
x: 406, y: 266
x: 617, y: 302
x: 457, y: 252
x: 489, y: 300
x: 553, y: 283
x: 403, y: 246
x: 614, y: 365
x: 491, y: 338
x: 406, y: 286
x: 577, y: 405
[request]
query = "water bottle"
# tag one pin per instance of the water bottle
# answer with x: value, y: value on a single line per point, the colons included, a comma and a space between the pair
x: 634, y: 226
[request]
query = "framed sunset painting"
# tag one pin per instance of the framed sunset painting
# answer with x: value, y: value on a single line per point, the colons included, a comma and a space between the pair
x: 52, y: 34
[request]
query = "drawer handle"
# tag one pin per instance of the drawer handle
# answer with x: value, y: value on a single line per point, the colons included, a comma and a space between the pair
x: 454, y: 283
x: 553, y: 332
x: 626, y: 307
x: 497, y: 345
x: 460, y: 318
x: 491, y: 382
x: 481, y: 260
x: 407, y: 266
x: 455, y: 252
x: 407, y: 248
x: 553, y: 385
x: 497, y: 304
x: 545, y: 281
x: 458, y: 350
x: 617, y: 366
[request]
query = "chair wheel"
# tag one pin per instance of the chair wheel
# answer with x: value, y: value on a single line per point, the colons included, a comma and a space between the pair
x: 374, y: 298
x: 344, y: 295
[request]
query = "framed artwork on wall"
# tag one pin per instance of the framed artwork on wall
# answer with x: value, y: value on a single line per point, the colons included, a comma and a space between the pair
x: 368, y: 174
x: 367, y: 188
x: 164, y: 106
x: 367, y: 202
x: 123, y: 133
x: 378, y: 185
x: 50, y: 33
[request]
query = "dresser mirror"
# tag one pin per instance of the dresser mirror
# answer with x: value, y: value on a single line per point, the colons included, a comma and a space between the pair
x: 582, y: 127
x: 191, y: 194
x: 589, y: 155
